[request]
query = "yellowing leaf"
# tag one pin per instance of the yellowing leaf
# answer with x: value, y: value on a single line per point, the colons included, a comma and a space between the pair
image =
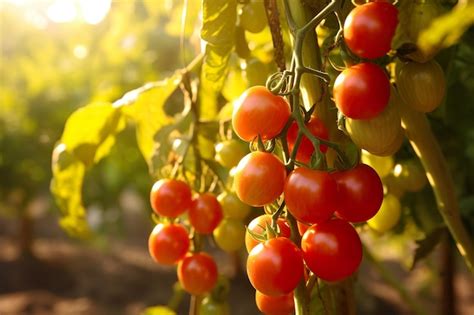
x: 158, y: 310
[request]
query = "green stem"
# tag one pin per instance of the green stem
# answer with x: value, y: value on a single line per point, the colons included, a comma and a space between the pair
x: 428, y: 150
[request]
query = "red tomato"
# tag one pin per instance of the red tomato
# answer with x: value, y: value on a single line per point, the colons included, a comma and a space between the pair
x: 197, y: 273
x: 275, y: 305
x: 258, y: 225
x: 362, y: 91
x: 168, y: 243
x: 259, y: 178
x: 306, y: 148
x: 170, y: 197
x: 369, y: 29
x: 360, y: 193
x: 205, y: 213
x: 275, y: 267
x: 259, y: 112
x: 302, y: 227
x: 310, y: 195
x: 332, y: 250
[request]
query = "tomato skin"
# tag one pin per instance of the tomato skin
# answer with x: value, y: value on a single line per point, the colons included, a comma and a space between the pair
x: 257, y: 226
x: 310, y: 195
x: 211, y: 307
x: 306, y: 149
x: 259, y: 112
x: 197, y: 273
x: 362, y: 91
x: 232, y: 207
x: 302, y: 227
x: 360, y: 193
x: 332, y: 250
x: 388, y: 215
x: 369, y: 29
x: 168, y: 243
x: 259, y: 178
x: 170, y: 197
x: 275, y: 267
x: 229, y: 153
x: 229, y: 235
x: 205, y: 213
x: 383, y: 165
x: 422, y: 85
x: 275, y: 305
x: 411, y: 175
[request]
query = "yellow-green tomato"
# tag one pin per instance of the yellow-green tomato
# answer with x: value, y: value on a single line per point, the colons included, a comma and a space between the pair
x: 383, y: 165
x: 229, y: 153
x: 230, y: 235
x: 388, y: 215
x: 393, y: 186
x: 411, y: 175
x: 253, y: 17
x: 211, y: 307
x: 232, y: 207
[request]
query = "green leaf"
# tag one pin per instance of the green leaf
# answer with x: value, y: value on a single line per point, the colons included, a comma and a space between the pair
x: 219, y: 18
x: 426, y: 245
x: 158, y: 310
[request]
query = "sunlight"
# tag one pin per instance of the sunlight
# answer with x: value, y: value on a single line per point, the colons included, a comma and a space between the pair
x: 91, y: 12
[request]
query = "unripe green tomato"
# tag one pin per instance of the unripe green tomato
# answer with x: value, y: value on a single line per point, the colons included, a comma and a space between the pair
x: 211, y: 307
x: 387, y: 216
x: 383, y: 165
x: 232, y: 207
x: 393, y: 186
x: 229, y: 235
x: 422, y: 85
x: 230, y: 152
x: 253, y: 17
x: 256, y: 72
x: 206, y: 148
x: 411, y: 175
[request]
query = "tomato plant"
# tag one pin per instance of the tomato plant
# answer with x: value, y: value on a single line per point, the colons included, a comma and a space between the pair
x: 275, y: 305
x: 170, y: 197
x: 229, y: 235
x: 168, y: 243
x: 253, y: 17
x: 205, y: 213
x: 257, y: 227
x: 306, y: 148
x: 197, y: 273
x: 232, y: 207
x: 388, y: 215
x: 229, y: 153
x: 383, y: 165
x: 410, y: 175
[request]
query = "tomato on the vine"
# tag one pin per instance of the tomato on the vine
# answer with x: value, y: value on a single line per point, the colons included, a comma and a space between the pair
x: 275, y: 305
x: 360, y: 193
x: 211, y: 307
x: 310, y: 195
x: 170, y: 197
x: 306, y: 148
x: 332, y: 249
x: 197, y: 273
x: 229, y: 235
x: 205, y: 213
x: 362, y: 91
x: 383, y: 165
x: 258, y: 225
x: 168, y: 243
x: 259, y: 112
x: 230, y: 152
x: 411, y: 175
x: 259, y: 178
x: 275, y: 267
x: 232, y: 207
x: 388, y: 215
x: 369, y: 29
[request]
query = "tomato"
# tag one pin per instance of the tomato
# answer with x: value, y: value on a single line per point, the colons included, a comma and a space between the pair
x: 259, y: 178
x: 332, y: 250
x: 369, y: 29
x: 205, y: 213
x: 275, y: 267
x: 232, y: 207
x: 170, y: 197
x: 306, y: 148
x: 259, y: 112
x: 388, y: 215
x: 362, y: 91
x: 211, y: 307
x: 230, y: 152
x: 275, y: 305
x: 302, y: 227
x: 258, y: 225
x: 197, y: 273
x: 253, y: 17
x: 422, y: 85
x: 411, y: 175
x: 168, y: 243
x: 360, y: 193
x: 393, y: 186
x: 310, y: 195
x: 229, y: 235
x: 383, y: 165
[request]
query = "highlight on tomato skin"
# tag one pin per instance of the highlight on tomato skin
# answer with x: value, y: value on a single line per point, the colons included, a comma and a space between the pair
x: 170, y: 197
x: 197, y: 273
x: 168, y: 243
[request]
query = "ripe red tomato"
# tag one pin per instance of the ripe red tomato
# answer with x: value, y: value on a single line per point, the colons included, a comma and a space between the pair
x: 310, y: 195
x: 170, y: 197
x: 360, y: 193
x: 362, y: 91
x: 275, y: 305
x: 275, y: 267
x: 259, y: 178
x: 369, y: 29
x: 197, y: 273
x: 259, y: 112
x: 306, y: 148
x: 205, y: 213
x: 302, y: 227
x: 332, y: 250
x: 258, y: 225
x: 168, y: 243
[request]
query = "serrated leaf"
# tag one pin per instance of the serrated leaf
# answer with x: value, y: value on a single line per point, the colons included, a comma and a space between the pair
x: 425, y: 246
x: 158, y: 310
